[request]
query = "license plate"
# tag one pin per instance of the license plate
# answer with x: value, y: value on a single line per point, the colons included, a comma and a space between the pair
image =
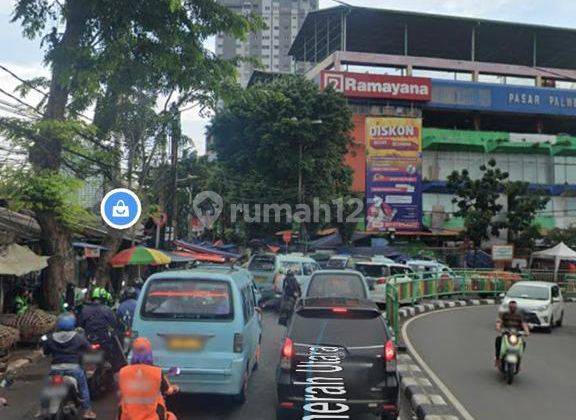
x: 93, y: 358
x: 185, y: 343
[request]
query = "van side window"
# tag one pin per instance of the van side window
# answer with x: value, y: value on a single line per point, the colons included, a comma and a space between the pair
x: 247, y: 304
x: 309, y: 268
x: 555, y: 291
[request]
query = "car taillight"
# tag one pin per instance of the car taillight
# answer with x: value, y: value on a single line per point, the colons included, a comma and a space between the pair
x: 340, y: 310
x: 381, y: 280
x: 95, y: 346
x: 287, y: 354
x: 128, y: 333
x: 389, y: 351
x: 238, y: 343
x: 57, y: 380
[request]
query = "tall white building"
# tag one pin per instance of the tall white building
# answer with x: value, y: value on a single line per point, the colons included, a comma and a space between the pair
x: 269, y: 47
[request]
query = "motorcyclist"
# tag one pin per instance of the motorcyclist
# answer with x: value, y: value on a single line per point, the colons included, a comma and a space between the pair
x: 290, y: 293
x: 142, y: 386
x: 125, y: 311
x: 66, y: 346
x: 513, y: 318
x: 99, y: 321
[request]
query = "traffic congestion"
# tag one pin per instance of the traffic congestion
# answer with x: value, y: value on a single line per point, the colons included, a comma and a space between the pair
x: 287, y: 209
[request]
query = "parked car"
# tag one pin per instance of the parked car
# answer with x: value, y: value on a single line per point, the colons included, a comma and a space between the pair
x: 377, y: 274
x: 342, y: 262
x: 541, y: 302
x: 336, y: 283
x: 269, y: 271
x: 430, y: 268
x: 322, y: 257
x: 206, y: 322
x: 343, y: 344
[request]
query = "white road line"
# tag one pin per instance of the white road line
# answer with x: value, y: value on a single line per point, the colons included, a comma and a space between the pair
x: 457, y: 405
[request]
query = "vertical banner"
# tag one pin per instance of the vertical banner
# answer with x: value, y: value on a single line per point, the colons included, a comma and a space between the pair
x: 393, y: 173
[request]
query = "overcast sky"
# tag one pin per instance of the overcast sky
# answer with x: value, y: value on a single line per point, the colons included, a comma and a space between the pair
x: 24, y: 57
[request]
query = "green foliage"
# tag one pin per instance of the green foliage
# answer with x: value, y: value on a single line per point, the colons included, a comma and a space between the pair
x: 49, y: 192
x: 269, y: 133
x: 477, y: 200
x: 557, y: 235
x: 523, y: 204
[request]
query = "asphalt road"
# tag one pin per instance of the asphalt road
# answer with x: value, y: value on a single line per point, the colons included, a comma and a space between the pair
x: 261, y: 403
x: 458, y: 345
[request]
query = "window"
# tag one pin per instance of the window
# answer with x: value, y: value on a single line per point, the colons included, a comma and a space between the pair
x: 346, y: 285
x: 555, y: 292
x: 309, y: 268
x: 262, y: 263
x: 247, y: 303
x: 188, y: 299
x: 294, y: 266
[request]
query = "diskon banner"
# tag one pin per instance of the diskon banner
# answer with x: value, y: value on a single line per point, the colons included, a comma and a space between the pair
x: 393, y: 173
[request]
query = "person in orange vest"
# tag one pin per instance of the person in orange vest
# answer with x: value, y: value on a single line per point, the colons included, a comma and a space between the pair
x: 142, y: 386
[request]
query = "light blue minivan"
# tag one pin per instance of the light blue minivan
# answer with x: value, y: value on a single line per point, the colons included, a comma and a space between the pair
x: 206, y: 322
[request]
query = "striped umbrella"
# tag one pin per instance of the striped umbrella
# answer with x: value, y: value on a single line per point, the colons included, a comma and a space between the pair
x: 139, y: 255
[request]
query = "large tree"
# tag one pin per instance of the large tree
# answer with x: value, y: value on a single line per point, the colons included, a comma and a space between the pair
x: 477, y: 201
x: 283, y: 143
x: 99, y: 52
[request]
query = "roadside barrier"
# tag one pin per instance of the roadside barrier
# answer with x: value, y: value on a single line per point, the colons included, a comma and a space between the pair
x: 413, y: 288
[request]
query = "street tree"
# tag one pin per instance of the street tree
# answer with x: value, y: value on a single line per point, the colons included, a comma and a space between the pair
x: 477, y: 201
x: 283, y: 143
x: 523, y: 205
x: 99, y: 52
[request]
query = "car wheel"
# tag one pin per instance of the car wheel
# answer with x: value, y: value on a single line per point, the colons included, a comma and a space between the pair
x: 561, y: 320
x: 548, y: 329
x: 240, y: 398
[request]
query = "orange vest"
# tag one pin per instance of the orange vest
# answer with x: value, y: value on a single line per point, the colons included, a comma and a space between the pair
x: 140, y: 393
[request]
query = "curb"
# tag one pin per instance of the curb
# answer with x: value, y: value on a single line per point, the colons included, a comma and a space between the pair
x: 426, y: 400
x: 424, y: 397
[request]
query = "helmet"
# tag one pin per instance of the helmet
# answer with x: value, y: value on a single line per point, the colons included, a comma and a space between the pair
x: 131, y: 293
x: 101, y: 294
x: 142, y: 352
x: 66, y: 322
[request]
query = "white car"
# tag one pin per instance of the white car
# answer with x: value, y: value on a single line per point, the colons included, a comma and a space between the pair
x: 541, y: 302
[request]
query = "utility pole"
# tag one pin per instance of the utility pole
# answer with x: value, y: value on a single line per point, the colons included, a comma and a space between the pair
x: 172, y: 202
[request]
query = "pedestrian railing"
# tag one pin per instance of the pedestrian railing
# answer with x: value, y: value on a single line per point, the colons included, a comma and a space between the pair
x: 410, y: 289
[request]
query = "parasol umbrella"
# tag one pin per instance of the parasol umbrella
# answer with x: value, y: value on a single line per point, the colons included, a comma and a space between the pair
x: 139, y: 255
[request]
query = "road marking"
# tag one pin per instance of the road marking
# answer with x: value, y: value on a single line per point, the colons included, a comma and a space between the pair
x: 457, y: 404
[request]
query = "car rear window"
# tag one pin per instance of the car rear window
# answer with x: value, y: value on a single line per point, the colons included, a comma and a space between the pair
x: 336, y: 285
x: 371, y: 270
x: 336, y: 263
x: 353, y: 329
x: 188, y: 299
x: 261, y: 263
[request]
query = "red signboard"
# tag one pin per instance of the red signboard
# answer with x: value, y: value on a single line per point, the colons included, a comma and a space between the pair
x: 363, y: 85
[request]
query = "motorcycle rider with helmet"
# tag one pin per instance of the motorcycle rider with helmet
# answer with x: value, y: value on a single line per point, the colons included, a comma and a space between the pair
x: 513, y: 318
x: 66, y: 346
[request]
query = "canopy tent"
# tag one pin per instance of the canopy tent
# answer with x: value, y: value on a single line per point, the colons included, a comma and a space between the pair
x: 557, y: 253
x: 17, y: 260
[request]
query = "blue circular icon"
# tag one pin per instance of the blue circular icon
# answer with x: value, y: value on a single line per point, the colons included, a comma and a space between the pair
x: 121, y: 208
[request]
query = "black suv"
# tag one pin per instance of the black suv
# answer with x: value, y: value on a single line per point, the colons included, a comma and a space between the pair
x: 338, y: 359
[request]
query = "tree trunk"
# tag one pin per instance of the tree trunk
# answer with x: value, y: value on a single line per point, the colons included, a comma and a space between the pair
x: 46, y: 158
x: 113, y: 242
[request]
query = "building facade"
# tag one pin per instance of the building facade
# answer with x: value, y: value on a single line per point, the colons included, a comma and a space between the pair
x: 269, y: 47
x: 474, y: 89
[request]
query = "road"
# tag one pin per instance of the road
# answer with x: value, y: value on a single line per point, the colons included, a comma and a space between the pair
x: 261, y: 403
x: 458, y: 345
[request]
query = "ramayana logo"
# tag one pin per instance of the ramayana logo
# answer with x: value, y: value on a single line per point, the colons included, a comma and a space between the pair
x: 350, y: 84
x: 325, y: 396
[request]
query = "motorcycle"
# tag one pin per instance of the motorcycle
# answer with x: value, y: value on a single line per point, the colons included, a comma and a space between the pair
x: 511, y: 351
x: 59, y: 398
x: 98, y: 369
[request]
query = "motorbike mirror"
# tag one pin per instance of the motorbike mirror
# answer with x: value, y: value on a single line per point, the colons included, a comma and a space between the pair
x: 173, y: 371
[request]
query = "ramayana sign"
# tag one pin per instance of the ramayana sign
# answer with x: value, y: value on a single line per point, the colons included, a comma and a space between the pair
x: 363, y: 85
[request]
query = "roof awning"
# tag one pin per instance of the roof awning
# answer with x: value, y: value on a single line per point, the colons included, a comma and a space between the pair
x: 17, y: 260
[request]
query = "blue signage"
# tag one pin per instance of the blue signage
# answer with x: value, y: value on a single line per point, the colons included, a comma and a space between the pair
x: 120, y: 208
x: 449, y: 94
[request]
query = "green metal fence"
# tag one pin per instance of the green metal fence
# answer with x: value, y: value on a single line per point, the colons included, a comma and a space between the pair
x: 410, y: 289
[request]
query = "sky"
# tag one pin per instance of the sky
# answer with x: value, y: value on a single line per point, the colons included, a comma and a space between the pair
x: 24, y: 57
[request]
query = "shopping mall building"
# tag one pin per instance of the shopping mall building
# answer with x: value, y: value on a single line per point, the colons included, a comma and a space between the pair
x: 433, y: 94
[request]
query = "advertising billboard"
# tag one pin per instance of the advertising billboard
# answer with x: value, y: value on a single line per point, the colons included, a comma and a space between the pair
x: 393, y: 173
x: 380, y: 86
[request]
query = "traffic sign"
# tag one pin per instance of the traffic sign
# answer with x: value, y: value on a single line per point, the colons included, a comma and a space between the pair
x: 120, y: 208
